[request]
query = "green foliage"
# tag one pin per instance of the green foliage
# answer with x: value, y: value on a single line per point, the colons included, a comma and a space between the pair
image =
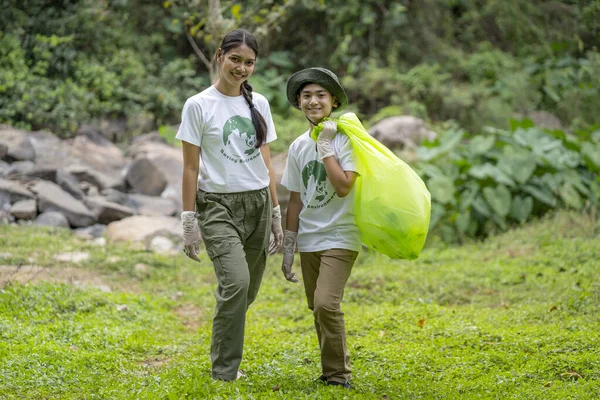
x: 481, y: 184
x: 511, y: 317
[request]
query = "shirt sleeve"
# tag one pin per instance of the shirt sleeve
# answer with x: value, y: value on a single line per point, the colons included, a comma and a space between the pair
x: 291, y: 174
x: 345, y: 154
x: 192, y: 123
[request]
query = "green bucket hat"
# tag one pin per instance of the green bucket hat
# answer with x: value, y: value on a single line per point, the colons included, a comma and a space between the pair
x: 321, y: 76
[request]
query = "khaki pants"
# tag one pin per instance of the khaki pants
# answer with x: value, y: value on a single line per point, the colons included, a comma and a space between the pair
x: 235, y: 229
x: 325, y: 274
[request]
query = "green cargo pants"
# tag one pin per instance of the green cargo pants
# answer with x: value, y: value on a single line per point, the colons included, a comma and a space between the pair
x: 235, y: 228
x: 325, y: 274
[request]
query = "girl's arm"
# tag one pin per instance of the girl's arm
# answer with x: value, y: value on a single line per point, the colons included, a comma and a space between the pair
x: 189, y: 183
x: 266, y: 154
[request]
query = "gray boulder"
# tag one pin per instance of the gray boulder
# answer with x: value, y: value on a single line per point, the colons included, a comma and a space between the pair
x: 17, y: 143
x: 24, y: 209
x: 52, y: 198
x: 404, y: 132
x: 52, y: 218
x: 13, y: 191
x: 145, y: 177
x: 106, y: 211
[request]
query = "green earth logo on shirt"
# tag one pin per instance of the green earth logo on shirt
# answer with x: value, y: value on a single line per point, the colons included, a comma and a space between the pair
x: 239, y: 134
x: 316, y: 170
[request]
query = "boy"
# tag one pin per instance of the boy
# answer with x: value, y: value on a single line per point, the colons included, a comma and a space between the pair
x: 320, y: 214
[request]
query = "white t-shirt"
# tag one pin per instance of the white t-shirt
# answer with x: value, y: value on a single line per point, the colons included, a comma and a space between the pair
x: 222, y: 127
x: 326, y: 220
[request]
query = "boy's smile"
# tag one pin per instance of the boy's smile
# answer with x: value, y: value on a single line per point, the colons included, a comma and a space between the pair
x: 316, y: 102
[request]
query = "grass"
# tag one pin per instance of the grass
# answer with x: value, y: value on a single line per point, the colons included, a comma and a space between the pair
x: 516, y: 316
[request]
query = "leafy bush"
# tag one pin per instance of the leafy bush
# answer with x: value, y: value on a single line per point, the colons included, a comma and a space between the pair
x: 481, y: 184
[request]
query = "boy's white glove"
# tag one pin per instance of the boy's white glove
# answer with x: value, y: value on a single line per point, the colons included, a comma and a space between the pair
x: 289, y: 246
x: 276, y: 231
x: 324, y: 139
x: 191, y: 235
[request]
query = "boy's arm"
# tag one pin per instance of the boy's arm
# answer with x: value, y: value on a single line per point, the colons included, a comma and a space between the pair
x: 293, y: 212
x: 342, y: 181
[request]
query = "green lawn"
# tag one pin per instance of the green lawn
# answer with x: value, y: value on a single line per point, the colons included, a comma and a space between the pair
x: 517, y: 316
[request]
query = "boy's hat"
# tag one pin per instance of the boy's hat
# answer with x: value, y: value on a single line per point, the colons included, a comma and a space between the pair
x: 321, y: 76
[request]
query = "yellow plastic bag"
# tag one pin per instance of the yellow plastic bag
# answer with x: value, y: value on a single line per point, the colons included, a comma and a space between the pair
x: 393, y: 204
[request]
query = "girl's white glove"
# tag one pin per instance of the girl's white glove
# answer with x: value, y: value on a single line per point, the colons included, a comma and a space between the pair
x: 191, y: 235
x: 289, y: 246
x: 276, y: 231
x: 324, y: 139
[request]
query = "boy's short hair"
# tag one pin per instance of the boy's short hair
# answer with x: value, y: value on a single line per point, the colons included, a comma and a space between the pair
x: 320, y: 76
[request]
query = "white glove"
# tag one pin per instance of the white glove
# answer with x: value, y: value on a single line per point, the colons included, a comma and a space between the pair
x: 276, y: 231
x: 324, y: 139
x: 191, y: 235
x: 289, y: 246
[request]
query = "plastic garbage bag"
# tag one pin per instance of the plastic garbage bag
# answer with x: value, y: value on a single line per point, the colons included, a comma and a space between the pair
x: 393, y: 205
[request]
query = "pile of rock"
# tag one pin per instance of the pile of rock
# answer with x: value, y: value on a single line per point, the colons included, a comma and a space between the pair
x: 92, y: 186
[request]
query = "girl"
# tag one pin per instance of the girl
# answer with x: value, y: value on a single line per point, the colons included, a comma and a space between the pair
x: 235, y: 199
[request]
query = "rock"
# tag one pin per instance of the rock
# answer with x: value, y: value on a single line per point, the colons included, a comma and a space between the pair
x: 19, y: 168
x: 3, y: 150
x: 4, y: 167
x: 147, y: 137
x: 142, y: 204
x: 62, y: 178
x: 13, y: 191
x: 101, y: 242
x: 75, y: 257
x: 52, y: 218
x: 91, y: 232
x: 106, y: 211
x: 161, y: 244
x: 168, y: 160
x: 401, y: 132
x: 142, y: 270
x: 91, y: 147
x: 545, y: 120
x: 17, y: 143
x: 24, y: 209
x: 100, y: 180
x: 143, y: 229
x: 145, y: 178
x: 52, y: 198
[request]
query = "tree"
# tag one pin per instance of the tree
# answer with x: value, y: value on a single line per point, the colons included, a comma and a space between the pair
x: 204, y: 29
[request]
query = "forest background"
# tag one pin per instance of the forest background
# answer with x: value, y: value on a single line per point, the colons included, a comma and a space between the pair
x: 473, y: 70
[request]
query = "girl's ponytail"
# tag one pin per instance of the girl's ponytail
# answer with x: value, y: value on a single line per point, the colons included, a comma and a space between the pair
x: 260, y: 126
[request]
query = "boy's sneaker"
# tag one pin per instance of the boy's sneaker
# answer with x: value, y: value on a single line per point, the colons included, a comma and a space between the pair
x: 240, y: 375
x: 321, y: 379
x: 346, y: 385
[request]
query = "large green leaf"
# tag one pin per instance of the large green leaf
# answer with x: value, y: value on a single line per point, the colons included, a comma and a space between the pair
x: 570, y: 196
x: 481, y: 206
x: 499, y: 199
x: 540, y: 194
x: 442, y: 190
x: 488, y: 170
x: 468, y: 195
x: 591, y: 155
x: 463, y: 221
x: 481, y: 144
x: 520, y: 167
x: 521, y: 208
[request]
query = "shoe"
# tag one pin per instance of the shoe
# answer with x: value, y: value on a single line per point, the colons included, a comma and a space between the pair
x: 240, y: 375
x: 346, y: 385
x: 320, y: 379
